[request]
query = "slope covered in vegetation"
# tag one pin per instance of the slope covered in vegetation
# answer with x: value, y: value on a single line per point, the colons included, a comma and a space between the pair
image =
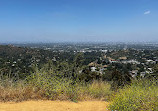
x: 74, y: 81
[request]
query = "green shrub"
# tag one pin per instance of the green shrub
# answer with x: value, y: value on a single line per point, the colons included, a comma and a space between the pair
x: 140, y: 95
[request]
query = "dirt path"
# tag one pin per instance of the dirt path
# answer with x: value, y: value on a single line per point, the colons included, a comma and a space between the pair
x: 54, y: 106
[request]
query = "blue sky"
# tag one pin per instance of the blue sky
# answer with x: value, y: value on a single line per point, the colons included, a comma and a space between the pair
x: 78, y: 20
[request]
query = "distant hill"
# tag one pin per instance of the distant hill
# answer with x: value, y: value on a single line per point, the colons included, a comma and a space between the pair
x: 19, y: 60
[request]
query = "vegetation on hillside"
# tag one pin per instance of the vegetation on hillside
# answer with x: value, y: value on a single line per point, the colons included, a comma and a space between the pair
x: 73, y: 80
x: 141, y: 95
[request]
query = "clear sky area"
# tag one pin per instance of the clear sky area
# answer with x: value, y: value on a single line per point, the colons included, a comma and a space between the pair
x: 78, y: 20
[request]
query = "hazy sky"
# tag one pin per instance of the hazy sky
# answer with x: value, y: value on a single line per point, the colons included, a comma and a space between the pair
x: 78, y: 20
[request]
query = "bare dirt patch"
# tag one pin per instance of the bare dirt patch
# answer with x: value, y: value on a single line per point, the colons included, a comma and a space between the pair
x: 54, y: 106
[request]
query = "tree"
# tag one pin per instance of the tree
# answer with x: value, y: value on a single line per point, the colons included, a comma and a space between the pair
x: 120, y: 79
x: 77, y: 65
x: 78, y: 60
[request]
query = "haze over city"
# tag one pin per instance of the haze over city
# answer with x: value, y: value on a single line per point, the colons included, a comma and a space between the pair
x: 78, y: 21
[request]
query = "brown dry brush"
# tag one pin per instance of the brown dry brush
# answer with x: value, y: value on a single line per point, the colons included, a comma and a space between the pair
x: 19, y: 91
x: 22, y: 91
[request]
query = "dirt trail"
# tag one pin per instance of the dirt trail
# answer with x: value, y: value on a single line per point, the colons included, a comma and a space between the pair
x: 54, y: 106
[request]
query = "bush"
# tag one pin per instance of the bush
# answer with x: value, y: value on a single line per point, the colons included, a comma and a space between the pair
x: 140, y: 95
x: 62, y: 88
x: 99, y: 89
x: 18, y: 91
x: 50, y: 83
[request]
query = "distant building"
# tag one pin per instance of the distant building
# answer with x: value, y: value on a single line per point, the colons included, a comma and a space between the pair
x: 142, y: 74
x: 105, y: 51
x: 93, y: 69
x: 105, y: 66
x: 92, y: 64
x: 123, y: 58
x: 150, y: 62
x: 133, y: 73
x: 113, y: 61
x: 131, y: 62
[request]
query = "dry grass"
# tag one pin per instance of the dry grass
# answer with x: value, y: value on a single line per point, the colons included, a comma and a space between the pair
x: 18, y: 91
x: 99, y: 89
x: 22, y: 91
x: 54, y: 106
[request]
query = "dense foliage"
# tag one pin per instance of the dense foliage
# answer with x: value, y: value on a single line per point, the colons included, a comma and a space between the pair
x: 141, y: 95
x: 27, y: 73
